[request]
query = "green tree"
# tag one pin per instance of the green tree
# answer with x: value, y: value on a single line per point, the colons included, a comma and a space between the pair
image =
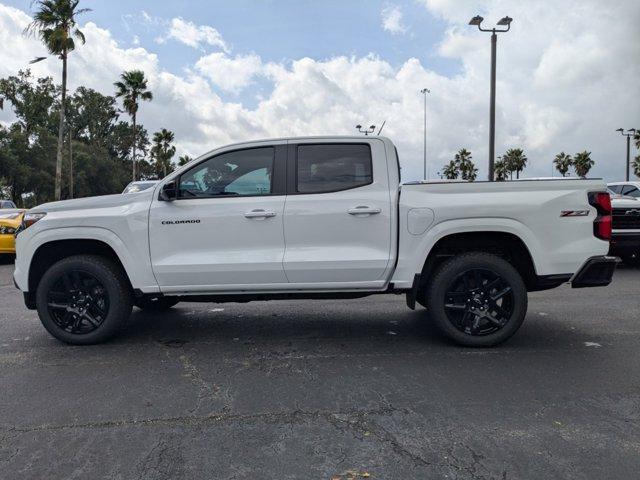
x: 183, y: 160
x: 96, y: 172
x: 515, y: 160
x: 635, y: 164
x: 26, y: 154
x: 121, y: 140
x: 450, y: 170
x: 92, y: 116
x: 501, y: 170
x: 55, y: 24
x: 467, y: 168
x: 582, y: 163
x: 101, y: 144
x: 33, y: 104
x: 563, y: 163
x: 162, y: 152
x: 132, y: 88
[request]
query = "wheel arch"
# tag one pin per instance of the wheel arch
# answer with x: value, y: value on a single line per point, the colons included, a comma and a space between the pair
x: 48, y: 253
x: 61, y: 242
x: 504, y: 244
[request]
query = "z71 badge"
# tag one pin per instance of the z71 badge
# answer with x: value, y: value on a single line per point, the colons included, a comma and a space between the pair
x: 574, y: 213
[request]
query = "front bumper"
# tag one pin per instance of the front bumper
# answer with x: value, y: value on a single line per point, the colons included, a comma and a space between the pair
x: 595, y: 272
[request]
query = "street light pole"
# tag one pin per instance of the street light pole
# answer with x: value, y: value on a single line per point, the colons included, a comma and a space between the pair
x: 505, y: 21
x: 424, y: 92
x: 492, y: 108
x: 630, y: 133
x: 628, y: 156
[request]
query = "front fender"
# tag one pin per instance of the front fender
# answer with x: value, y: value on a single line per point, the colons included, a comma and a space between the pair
x: 136, y: 263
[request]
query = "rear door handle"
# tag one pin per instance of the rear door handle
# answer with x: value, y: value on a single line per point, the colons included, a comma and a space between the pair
x: 364, y: 210
x: 260, y: 213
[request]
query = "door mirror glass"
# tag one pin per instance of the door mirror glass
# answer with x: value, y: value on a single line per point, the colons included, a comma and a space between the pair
x: 168, y: 192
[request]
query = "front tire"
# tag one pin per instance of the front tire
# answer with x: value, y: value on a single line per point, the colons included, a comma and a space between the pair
x: 477, y: 299
x: 83, y: 299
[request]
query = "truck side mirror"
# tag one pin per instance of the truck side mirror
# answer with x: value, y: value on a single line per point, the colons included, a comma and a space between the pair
x: 168, y: 192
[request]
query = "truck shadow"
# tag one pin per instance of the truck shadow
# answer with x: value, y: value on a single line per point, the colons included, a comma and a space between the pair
x: 337, y: 327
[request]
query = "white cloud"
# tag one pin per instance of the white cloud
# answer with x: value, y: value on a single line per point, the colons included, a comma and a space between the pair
x: 230, y: 74
x: 392, y: 20
x: 195, y: 36
x: 566, y: 80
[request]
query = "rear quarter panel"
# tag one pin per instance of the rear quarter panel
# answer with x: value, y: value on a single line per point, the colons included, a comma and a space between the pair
x: 530, y: 210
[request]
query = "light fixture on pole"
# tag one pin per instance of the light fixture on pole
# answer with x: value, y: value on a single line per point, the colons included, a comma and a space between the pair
x: 424, y: 92
x: 630, y: 133
x: 367, y: 131
x: 503, y: 22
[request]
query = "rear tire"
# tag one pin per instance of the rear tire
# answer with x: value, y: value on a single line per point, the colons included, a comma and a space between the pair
x: 477, y: 299
x: 83, y: 299
x: 161, y: 304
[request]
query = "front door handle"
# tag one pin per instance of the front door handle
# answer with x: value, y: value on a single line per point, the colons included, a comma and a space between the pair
x: 364, y: 210
x: 260, y: 213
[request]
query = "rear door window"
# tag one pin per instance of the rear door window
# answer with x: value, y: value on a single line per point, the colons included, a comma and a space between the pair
x: 323, y: 168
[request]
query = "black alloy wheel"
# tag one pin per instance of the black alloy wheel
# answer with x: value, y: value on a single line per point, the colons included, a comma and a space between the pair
x: 479, y: 302
x: 78, y: 302
x: 84, y: 299
x: 477, y: 299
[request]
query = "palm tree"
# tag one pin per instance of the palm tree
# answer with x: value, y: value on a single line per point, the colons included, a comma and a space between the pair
x: 501, y: 170
x: 563, y: 163
x: 55, y: 24
x: 132, y: 88
x: 162, y: 151
x: 183, y: 160
x: 582, y: 163
x: 636, y: 166
x: 515, y: 160
x: 450, y: 171
x: 467, y: 168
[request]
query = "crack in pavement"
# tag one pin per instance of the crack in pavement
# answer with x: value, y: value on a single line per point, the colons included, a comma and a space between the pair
x: 286, y: 417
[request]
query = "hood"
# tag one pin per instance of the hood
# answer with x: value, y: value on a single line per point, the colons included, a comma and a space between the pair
x: 103, y: 201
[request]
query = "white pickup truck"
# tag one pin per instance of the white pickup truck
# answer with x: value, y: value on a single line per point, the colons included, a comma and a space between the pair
x: 321, y: 217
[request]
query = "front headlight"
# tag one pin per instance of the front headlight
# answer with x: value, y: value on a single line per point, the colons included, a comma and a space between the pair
x: 28, y: 220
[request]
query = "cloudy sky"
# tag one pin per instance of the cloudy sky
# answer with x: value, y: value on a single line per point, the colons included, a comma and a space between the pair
x: 221, y: 72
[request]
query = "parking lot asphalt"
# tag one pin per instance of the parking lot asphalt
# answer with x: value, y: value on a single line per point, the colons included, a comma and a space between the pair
x: 326, y: 390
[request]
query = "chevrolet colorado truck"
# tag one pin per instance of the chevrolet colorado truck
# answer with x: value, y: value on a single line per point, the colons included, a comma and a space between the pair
x: 321, y: 218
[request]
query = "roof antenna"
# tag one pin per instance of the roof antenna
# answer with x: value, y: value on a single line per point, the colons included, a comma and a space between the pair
x: 381, y: 127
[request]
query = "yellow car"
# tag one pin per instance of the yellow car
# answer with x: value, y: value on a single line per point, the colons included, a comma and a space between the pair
x: 10, y: 219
